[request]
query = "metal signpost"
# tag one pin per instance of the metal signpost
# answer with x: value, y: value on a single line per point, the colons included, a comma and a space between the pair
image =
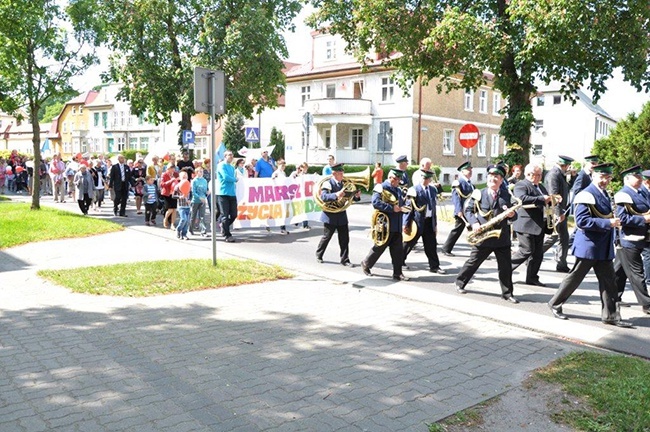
x: 307, y: 120
x: 210, y: 98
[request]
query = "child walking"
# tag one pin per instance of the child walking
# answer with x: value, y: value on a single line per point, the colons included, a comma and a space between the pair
x: 150, y: 198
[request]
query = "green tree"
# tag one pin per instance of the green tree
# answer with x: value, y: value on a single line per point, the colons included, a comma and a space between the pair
x: 47, y: 113
x: 234, y: 137
x: 520, y: 41
x: 628, y: 143
x: 42, y: 47
x: 277, y: 139
x: 157, y: 44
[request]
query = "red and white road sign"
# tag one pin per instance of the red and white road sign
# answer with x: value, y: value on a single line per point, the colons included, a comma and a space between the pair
x: 468, y: 135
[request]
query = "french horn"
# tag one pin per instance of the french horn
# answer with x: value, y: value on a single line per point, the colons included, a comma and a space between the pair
x: 351, y: 184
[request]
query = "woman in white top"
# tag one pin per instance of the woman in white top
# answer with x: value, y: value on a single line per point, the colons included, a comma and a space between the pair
x: 279, y: 173
x: 99, y: 182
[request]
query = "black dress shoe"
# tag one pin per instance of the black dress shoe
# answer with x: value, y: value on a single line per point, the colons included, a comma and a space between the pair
x: 460, y: 289
x: 366, y: 269
x: 511, y: 299
x: 536, y: 283
x: 347, y: 264
x: 449, y: 254
x: 400, y: 278
x: 563, y: 269
x: 319, y: 260
x: 619, y: 323
x: 438, y: 270
x: 557, y: 312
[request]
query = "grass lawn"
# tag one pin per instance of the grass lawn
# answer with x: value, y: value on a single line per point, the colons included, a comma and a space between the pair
x: 151, y: 278
x: 20, y: 225
x: 615, y: 388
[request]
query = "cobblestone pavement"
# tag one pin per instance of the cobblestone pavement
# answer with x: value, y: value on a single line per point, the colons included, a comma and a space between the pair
x: 299, y: 355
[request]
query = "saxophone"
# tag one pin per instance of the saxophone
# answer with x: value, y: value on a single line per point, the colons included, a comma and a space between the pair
x: 487, y: 230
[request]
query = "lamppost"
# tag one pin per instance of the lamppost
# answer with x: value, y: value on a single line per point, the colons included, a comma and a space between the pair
x: 307, y: 121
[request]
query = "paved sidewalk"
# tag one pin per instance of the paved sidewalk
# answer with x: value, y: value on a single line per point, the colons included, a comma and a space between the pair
x: 300, y: 355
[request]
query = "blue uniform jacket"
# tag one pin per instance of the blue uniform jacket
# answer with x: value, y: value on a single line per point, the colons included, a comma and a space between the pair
x: 423, y: 200
x: 465, y: 188
x: 582, y: 181
x: 485, y: 204
x: 632, y: 224
x: 594, y: 239
x: 395, y: 219
x: 328, y: 193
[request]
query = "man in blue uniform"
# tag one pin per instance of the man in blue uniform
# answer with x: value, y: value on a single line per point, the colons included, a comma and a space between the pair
x: 423, y: 213
x: 556, y: 184
x: 484, y: 205
x: 645, y: 190
x: 402, y: 165
x: 631, y: 204
x: 393, y: 211
x: 593, y: 247
x: 583, y: 179
x: 332, y: 190
x: 461, y: 189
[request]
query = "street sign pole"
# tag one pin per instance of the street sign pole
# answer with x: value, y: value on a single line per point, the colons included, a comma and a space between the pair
x: 210, y: 93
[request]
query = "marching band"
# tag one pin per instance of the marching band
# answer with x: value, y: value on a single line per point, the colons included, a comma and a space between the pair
x: 612, y: 234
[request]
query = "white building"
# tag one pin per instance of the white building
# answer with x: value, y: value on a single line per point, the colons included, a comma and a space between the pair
x: 563, y: 128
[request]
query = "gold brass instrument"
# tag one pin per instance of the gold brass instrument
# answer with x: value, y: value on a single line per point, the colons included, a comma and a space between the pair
x: 351, y: 184
x: 552, y: 219
x: 411, y: 231
x: 487, y: 230
x: 379, y: 223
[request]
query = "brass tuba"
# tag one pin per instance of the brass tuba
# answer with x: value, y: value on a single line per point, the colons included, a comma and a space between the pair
x: 552, y: 219
x: 351, y: 184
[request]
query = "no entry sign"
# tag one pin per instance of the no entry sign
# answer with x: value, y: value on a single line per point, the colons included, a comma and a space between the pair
x: 468, y: 135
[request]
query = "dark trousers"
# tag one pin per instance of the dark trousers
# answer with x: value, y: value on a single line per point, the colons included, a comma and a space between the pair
x: 562, y: 248
x: 394, y: 242
x: 121, y: 195
x: 228, y: 209
x: 629, y: 265
x: 604, y: 270
x: 84, y: 204
x: 430, y: 242
x: 344, y: 241
x: 476, y: 258
x: 454, y: 234
x: 530, y: 247
x: 150, y: 211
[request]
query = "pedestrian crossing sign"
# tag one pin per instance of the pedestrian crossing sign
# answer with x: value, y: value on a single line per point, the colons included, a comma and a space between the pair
x: 252, y: 134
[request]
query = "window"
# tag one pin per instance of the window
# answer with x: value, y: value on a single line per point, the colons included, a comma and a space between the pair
x: 305, y: 94
x: 67, y: 148
x: 104, y: 120
x: 482, y: 101
x: 496, y: 103
x: 74, y: 110
x: 96, y: 119
x: 494, y: 147
x: 357, y: 89
x: 133, y: 143
x: 469, y: 100
x: 330, y: 50
x: 122, y: 117
x: 327, y: 138
x: 557, y: 100
x: 537, y: 149
x: 110, y: 143
x: 445, y: 178
x: 144, y: 143
x: 387, y: 89
x: 330, y: 91
x: 121, y: 144
x: 84, y: 146
x: 356, y: 139
x: 540, y: 100
x: 65, y: 126
x: 448, y: 142
x: 479, y: 178
x: 482, y: 144
x: 385, y: 137
x: 81, y: 110
x: 539, y: 124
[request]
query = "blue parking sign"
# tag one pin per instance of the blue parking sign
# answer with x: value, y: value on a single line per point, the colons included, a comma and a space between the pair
x: 188, y: 137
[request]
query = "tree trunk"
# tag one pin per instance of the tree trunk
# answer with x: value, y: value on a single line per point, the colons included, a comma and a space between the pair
x: 185, y: 124
x: 36, y: 142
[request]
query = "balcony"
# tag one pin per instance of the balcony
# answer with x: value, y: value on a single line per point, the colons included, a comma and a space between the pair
x: 340, y: 110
